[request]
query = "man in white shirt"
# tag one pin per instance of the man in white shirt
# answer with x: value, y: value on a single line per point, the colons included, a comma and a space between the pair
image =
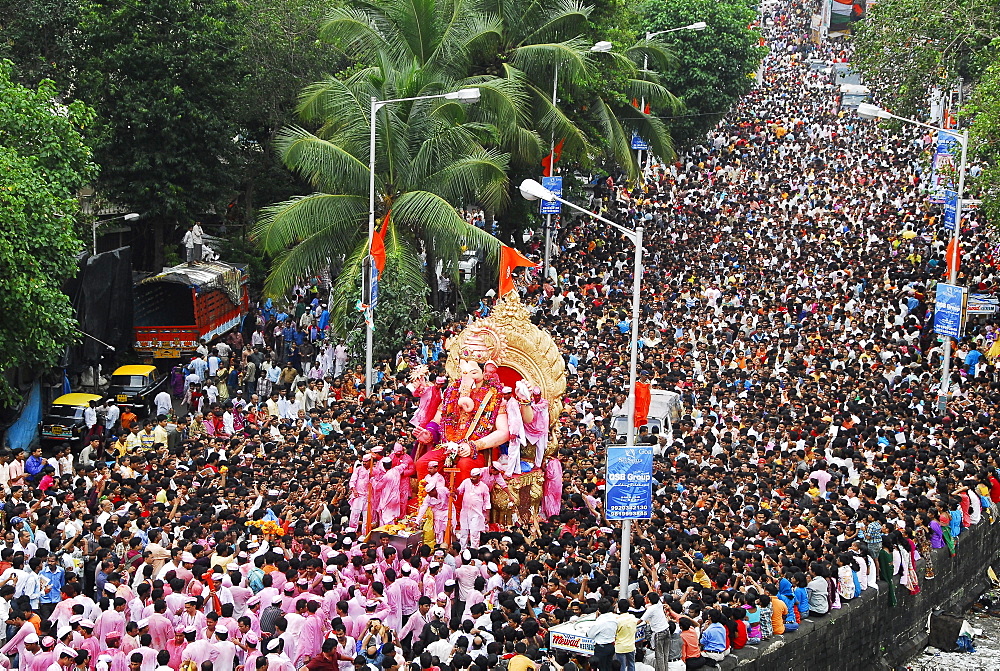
x: 164, y: 404
x: 603, y: 632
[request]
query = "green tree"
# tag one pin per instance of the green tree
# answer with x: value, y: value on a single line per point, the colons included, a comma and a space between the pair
x: 716, y: 65
x: 595, y: 120
x: 281, y: 54
x: 43, y: 163
x: 38, y: 36
x: 163, y: 76
x: 431, y: 155
x: 937, y: 41
x: 984, y: 138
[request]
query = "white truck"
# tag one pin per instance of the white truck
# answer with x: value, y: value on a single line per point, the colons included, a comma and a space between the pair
x: 664, y: 409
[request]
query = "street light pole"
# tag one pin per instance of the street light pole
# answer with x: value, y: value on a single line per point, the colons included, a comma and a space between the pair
x: 547, y: 256
x: 869, y: 111
x: 945, y: 386
x: 465, y: 96
x: 602, y: 47
x: 532, y: 190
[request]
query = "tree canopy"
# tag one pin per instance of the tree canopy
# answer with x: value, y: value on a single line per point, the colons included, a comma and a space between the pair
x: 716, y: 65
x: 43, y: 163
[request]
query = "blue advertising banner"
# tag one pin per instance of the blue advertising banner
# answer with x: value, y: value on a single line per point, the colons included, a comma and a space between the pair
x: 950, y: 209
x: 639, y: 143
x: 949, y: 310
x: 553, y: 184
x: 944, y: 165
x: 629, y: 489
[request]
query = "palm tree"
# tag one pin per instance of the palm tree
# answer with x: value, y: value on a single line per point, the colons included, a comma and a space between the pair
x: 535, y: 37
x: 431, y: 155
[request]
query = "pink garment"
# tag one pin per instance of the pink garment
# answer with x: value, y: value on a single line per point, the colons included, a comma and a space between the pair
x: 94, y: 647
x: 390, y: 494
x: 515, y: 427
x: 475, y: 596
x: 465, y: 576
x: 310, y: 640
x: 430, y: 400
x: 475, y: 503
x: 161, y: 630
x: 552, y: 491
x: 409, y: 591
x: 394, y: 601
x: 198, y: 652
x: 536, y: 431
x: 16, y: 643
x: 107, y: 622
x: 119, y: 662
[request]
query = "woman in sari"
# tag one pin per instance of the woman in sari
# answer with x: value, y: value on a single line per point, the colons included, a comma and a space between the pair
x: 923, y: 534
x: 885, y: 570
x: 944, y: 521
x: 902, y: 563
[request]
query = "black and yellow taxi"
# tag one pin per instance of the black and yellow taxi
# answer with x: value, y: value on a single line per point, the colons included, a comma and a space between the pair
x: 135, y: 387
x: 64, y: 420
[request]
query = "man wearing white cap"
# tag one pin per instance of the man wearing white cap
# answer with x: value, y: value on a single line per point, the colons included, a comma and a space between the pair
x: 475, y: 501
x: 24, y: 643
x: 390, y: 488
x: 223, y: 650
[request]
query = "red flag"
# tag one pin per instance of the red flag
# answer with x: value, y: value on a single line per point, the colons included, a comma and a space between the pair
x: 378, y: 245
x: 547, y: 162
x: 635, y: 103
x: 510, y: 259
x: 953, y: 254
x: 646, y: 111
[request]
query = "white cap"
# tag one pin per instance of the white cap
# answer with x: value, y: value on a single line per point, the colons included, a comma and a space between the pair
x: 222, y: 629
x: 476, y: 472
x: 31, y: 638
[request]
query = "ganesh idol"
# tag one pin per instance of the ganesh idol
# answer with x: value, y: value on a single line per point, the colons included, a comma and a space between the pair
x: 471, y: 421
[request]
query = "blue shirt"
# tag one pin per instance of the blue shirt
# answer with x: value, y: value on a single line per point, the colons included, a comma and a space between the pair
x: 34, y: 465
x: 56, y: 580
x: 713, y: 639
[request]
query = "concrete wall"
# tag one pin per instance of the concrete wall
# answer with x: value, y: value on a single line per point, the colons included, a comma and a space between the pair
x: 867, y: 633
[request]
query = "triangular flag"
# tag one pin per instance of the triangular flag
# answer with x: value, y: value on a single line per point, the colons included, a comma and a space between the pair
x: 548, y: 161
x: 378, y: 245
x: 953, y: 255
x: 510, y: 259
x: 648, y: 108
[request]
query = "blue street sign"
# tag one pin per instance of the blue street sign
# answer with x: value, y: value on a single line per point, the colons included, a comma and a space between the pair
x: 950, y: 209
x: 949, y: 310
x: 629, y: 494
x: 553, y: 184
x: 639, y: 143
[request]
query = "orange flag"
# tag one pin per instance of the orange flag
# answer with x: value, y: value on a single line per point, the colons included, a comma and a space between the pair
x: 551, y: 159
x: 953, y: 254
x: 378, y: 245
x: 510, y: 259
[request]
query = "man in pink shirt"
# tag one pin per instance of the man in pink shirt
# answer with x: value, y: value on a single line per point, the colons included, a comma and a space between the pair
x: 475, y: 501
x: 161, y: 629
x: 363, y: 486
x: 389, y: 491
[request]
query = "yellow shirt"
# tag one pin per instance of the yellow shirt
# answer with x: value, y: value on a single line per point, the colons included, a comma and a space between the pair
x: 625, y: 633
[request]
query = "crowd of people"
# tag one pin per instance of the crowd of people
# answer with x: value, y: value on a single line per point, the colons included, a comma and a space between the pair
x: 787, y: 297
